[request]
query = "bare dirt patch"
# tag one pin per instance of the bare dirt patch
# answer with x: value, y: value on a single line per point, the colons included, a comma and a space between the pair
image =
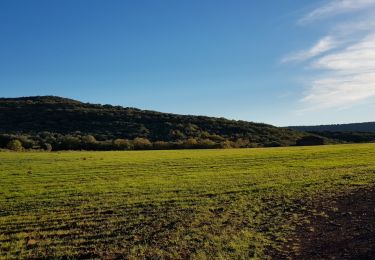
x: 342, y: 227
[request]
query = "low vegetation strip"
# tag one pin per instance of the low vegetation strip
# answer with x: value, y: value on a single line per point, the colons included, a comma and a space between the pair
x: 237, y: 203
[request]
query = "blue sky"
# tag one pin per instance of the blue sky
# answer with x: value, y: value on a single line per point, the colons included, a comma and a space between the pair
x: 282, y: 62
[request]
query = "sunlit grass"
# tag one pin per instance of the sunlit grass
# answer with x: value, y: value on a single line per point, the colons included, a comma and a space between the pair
x: 173, y: 204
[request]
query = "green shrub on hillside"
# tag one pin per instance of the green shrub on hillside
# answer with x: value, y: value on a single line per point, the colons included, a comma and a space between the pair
x: 15, y: 145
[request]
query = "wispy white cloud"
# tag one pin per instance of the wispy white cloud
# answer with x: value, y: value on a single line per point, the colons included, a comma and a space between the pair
x: 323, y: 45
x: 339, y: 92
x: 345, y: 75
x: 366, y: 23
x: 335, y: 7
x: 357, y: 58
x: 351, y: 78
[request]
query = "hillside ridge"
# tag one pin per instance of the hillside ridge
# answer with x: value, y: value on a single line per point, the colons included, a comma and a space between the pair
x: 349, y: 127
x: 56, y: 117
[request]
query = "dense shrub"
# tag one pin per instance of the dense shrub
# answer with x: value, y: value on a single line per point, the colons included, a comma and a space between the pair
x: 310, y: 140
x: 141, y: 143
x: 47, y: 147
x: 122, y: 144
x: 273, y: 144
x: 15, y: 145
x: 190, y: 143
x: 162, y: 145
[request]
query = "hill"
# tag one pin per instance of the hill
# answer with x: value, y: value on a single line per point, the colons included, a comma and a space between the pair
x: 354, y: 127
x: 349, y: 133
x: 70, y: 124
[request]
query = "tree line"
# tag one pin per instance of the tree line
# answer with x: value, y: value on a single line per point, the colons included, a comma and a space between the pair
x: 57, y: 142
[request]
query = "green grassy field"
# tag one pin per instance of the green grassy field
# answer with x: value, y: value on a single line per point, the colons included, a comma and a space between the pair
x: 239, y: 203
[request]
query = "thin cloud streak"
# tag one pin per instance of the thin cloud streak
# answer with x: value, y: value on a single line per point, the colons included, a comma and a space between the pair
x: 365, y: 24
x: 337, y: 92
x: 323, y: 45
x: 355, y: 59
x: 336, y: 7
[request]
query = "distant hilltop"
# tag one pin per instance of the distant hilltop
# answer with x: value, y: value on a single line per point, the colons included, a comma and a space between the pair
x: 354, y: 127
x: 70, y: 124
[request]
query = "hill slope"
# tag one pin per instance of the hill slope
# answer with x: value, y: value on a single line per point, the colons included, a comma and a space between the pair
x: 37, y: 115
x: 355, y: 127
